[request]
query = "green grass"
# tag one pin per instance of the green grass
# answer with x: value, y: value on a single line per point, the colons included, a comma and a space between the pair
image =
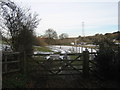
x: 93, y: 47
x: 42, y: 49
x: 73, y: 57
x: 17, y: 80
x: 22, y: 80
x: 0, y: 42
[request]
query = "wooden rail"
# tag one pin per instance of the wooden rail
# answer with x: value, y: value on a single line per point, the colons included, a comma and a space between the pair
x: 80, y: 57
x: 7, y: 61
x: 56, y: 54
x: 84, y: 58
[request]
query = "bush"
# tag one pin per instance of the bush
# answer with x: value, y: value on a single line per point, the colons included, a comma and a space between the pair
x: 106, y: 59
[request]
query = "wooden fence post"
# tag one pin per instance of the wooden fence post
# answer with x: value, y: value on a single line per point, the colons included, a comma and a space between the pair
x: 86, y: 63
x: 24, y: 68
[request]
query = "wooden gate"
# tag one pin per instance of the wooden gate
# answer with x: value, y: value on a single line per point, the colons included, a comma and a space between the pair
x: 62, y: 64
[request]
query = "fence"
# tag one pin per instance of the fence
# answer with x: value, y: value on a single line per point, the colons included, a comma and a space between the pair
x: 78, y: 63
x: 10, y: 62
x: 56, y: 65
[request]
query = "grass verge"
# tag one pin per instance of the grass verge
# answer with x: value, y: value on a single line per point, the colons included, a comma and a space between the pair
x: 42, y: 49
x: 16, y: 80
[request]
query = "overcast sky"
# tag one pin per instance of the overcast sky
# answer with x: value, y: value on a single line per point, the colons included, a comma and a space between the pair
x: 66, y: 16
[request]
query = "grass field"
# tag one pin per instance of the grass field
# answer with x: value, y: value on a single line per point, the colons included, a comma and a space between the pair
x: 42, y: 49
x: 92, y: 47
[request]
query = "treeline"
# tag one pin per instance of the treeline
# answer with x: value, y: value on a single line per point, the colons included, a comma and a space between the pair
x: 99, y: 37
x: 51, y: 38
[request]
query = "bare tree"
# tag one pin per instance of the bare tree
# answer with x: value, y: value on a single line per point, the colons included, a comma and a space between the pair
x: 19, y: 24
x: 63, y: 36
x: 50, y: 33
x: 50, y: 36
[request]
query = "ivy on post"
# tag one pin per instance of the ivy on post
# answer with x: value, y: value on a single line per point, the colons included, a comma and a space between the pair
x: 86, y: 63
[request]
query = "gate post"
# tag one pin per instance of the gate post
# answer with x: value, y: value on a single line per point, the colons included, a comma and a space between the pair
x: 24, y: 69
x: 86, y: 64
x: 23, y: 62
